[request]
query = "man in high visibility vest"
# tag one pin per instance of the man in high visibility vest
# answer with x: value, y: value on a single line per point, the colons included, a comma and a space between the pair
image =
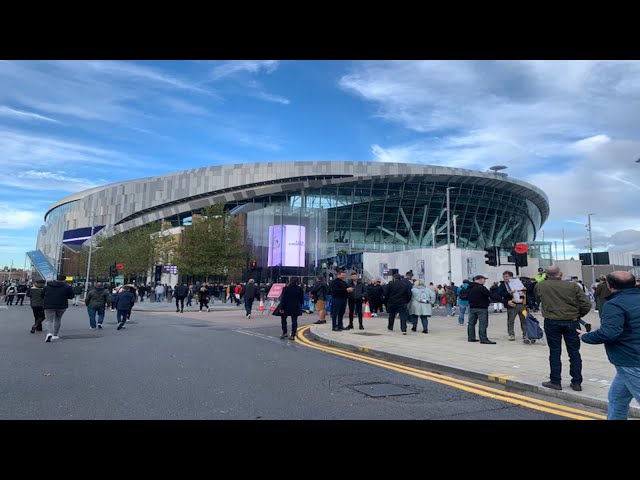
x: 541, y: 275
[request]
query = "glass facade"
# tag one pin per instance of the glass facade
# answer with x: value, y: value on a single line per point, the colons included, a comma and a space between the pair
x: 50, y: 234
x: 388, y: 215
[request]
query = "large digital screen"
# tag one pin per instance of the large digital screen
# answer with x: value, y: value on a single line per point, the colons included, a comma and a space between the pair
x: 286, y: 245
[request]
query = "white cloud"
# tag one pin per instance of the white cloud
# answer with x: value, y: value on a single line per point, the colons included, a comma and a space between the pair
x: 588, y: 145
x: 273, y: 98
x: 12, y: 112
x: 568, y: 127
x: 182, y: 106
x: 137, y: 72
x: 14, y: 218
x: 34, y: 150
x: 236, y: 67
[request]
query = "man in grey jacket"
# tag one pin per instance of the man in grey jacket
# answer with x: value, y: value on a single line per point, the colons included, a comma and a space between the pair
x: 97, y: 300
x: 56, y: 296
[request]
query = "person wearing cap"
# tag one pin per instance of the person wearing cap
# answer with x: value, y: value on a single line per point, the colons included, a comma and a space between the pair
x: 479, y: 298
x: 541, y: 275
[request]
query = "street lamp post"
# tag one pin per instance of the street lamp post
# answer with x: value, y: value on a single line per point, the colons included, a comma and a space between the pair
x: 449, y: 233
x: 86, y: 280
x: 593, y: 272
x: 455, y: 231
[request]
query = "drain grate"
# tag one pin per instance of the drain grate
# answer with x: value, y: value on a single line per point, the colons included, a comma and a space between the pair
x: 367, y: 334
x: 80, y: 336
x: 382, y: 390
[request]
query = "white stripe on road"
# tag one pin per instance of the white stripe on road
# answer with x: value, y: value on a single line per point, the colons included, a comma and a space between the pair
x: 259, y: 335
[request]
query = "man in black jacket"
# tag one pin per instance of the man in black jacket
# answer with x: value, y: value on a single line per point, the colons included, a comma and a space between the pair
x: 22, y: 292
x: 398, y: 294
x: 479, y: 298
x: 338, y: 288
x: 180, y: 293
x: 356, y: 297
x: 35, y: 295
x: 249, y: 293
x: 55, y: 300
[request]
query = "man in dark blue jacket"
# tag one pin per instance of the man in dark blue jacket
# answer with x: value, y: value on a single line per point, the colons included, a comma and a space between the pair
x: 620, y: 332
x: 124, y: 303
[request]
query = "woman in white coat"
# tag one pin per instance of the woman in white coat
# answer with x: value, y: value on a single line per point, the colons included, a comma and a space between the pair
x: 421, y: 300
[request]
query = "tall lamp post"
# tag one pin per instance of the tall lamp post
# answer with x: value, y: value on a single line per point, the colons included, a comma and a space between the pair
x: 593, y: 272
x: 449, y: 233
x: 86, y: 280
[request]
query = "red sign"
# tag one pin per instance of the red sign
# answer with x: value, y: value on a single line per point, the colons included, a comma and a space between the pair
x: 119, y: 266
x: 276, y: 290
x: 521, y: 248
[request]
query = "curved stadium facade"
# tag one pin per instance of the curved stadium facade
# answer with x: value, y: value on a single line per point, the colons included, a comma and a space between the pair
x: 316, y: 210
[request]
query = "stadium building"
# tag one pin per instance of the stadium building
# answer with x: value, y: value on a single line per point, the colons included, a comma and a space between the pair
x: 301, y: 217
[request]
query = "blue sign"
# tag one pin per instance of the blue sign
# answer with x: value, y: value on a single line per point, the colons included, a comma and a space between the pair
x: 78, y: 236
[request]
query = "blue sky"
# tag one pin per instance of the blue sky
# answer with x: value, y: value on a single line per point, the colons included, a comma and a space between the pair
x: 569, y: 127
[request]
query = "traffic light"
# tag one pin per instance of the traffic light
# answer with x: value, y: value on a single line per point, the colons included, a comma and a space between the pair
x: 519, y: 254
x: 113, y: 271
x: 519, y: 259
x: 491, y: 256
x: 253, y: 264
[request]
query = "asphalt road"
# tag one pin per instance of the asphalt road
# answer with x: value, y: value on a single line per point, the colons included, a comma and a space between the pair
x: 216, y: 365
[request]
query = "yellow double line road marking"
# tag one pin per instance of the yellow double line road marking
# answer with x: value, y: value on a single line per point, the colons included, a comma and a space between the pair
x: 467, y: 386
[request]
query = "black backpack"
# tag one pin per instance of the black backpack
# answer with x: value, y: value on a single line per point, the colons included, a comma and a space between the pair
x: 464, y: 294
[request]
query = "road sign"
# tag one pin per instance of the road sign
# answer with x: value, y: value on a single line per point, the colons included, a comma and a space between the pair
x: 119, y: 266
x: 119, y: 280
x: 276, y: 290
x: 521, y: 248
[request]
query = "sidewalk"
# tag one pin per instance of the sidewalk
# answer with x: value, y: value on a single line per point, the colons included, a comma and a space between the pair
x: 512, y: 363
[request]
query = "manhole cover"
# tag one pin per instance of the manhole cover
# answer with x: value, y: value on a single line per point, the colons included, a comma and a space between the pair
x: 79, y: 336
x: 382, y: 390
x: 368, y: 334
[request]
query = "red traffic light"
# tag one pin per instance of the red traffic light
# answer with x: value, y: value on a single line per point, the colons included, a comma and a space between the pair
x: 521, y: 248
x: 119, y: 266
x: 254, y: 264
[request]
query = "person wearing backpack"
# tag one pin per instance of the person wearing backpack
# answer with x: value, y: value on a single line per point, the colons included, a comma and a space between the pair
x: 463, y: 300
x: 421, y: 300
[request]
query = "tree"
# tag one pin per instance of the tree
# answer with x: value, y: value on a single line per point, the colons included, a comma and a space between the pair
x: 164, y: 247
x: 211, y: 245
x: 134, y: 248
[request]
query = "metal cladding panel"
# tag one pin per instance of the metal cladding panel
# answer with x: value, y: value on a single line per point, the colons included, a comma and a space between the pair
x: 151, y: 193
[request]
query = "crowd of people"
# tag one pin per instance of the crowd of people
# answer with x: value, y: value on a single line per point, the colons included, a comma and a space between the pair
x: 563, y: 304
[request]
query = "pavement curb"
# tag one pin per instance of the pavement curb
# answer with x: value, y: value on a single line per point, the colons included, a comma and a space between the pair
x: 446, y: 368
